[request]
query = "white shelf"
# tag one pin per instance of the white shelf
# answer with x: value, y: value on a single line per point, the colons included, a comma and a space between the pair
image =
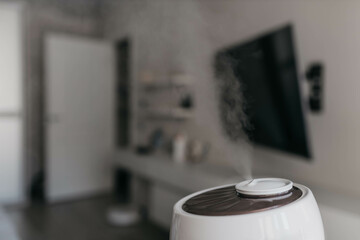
x: 172, y: 81
x: 164, y: 85
x: 168, y: 113
x: 188, y: 177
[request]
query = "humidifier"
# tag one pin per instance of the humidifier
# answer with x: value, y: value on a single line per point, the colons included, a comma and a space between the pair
x: 264, y: 208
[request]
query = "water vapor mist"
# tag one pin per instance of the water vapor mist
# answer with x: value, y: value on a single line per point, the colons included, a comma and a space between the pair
x: 232, y: 102
x: 233, y: 119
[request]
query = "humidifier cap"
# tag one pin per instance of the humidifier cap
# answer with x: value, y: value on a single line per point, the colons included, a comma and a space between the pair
x: 264, y: 186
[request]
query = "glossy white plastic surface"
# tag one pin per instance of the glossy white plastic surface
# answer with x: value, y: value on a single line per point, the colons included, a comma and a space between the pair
x: 264, y: 186
x: 299, y: 220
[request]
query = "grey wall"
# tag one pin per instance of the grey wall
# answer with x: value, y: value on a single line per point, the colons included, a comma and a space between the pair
x: 183, y: 35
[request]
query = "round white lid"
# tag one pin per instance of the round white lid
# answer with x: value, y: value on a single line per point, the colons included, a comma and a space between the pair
x: 264, y: 186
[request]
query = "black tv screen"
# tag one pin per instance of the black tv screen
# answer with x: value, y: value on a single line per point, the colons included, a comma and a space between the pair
x: 266, y: 68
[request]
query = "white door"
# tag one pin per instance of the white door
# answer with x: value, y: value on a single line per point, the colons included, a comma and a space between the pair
x: 80, y: 79
x: 11, y: 121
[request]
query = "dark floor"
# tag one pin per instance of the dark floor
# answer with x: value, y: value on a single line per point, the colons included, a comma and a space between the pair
x: 80, y: 220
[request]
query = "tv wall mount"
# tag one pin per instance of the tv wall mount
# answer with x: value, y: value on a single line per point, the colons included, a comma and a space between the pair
x: 315, y: 77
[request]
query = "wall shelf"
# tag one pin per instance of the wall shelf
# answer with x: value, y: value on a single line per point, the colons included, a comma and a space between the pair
x: 165, y: 85
x: 167, y: 114
x: 164, y: 101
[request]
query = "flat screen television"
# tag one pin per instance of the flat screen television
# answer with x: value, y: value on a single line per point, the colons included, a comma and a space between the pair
x: 266, y: 68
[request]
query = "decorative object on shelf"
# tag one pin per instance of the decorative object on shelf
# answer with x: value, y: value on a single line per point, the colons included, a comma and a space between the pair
x: 157, y: 139
x: 198, y: 150
x: 143, y: 150
x: 147, y: 77
x: 179, y: 148
x: 186, y: 101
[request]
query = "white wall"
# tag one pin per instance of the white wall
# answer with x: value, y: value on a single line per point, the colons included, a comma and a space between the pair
x: 183, y: 36
x: 11, y: 123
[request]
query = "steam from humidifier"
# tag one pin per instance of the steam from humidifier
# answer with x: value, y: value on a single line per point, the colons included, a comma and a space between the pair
x: 233, y: 119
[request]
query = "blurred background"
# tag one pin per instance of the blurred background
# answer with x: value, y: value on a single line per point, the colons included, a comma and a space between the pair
x: 113, y: 110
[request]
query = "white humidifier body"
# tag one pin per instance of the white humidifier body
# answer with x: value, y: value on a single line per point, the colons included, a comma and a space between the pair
x: 258, y: 209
